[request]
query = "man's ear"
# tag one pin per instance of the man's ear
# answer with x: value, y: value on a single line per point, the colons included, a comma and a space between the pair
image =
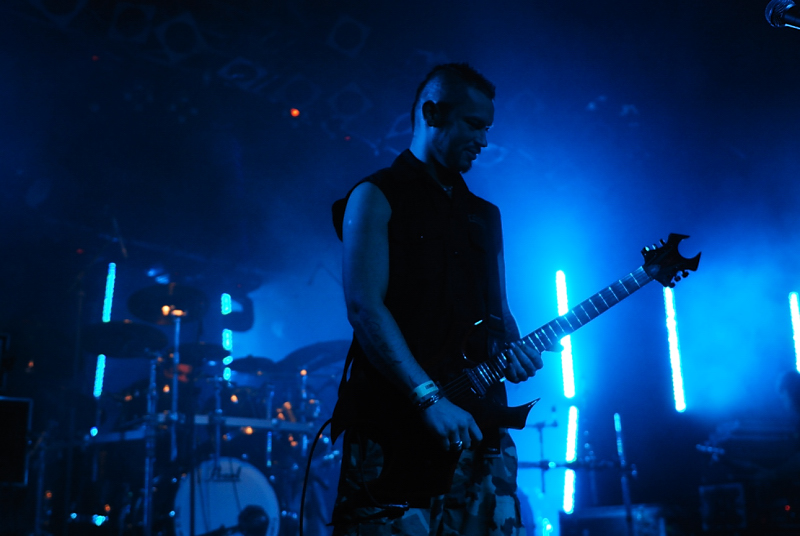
x: 431, y: 114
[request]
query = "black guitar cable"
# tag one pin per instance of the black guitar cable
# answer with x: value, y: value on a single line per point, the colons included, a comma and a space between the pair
x: 308, y: 472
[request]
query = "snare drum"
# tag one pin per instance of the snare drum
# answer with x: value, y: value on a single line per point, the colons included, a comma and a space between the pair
x: 221, y: 494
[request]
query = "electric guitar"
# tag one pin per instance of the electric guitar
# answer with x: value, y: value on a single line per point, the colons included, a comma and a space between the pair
x: 415, y: 468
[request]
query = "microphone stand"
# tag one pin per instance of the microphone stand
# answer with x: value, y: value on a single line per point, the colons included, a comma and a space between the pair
x: 540, y: 426
x: 623, y: 466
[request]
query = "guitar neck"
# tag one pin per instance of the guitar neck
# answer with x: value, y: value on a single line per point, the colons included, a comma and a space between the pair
x: 547, y: 337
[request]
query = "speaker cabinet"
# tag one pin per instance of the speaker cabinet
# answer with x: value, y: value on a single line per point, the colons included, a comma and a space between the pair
x: 15, y: 424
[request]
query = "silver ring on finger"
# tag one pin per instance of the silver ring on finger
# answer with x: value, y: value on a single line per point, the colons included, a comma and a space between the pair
x: 458, y: 445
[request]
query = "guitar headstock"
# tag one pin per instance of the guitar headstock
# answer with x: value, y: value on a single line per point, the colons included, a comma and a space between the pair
x: 665, y: 264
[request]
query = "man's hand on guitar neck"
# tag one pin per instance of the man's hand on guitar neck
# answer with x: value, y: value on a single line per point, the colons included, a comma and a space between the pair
x: 454, y: 428
x: 523, y: 361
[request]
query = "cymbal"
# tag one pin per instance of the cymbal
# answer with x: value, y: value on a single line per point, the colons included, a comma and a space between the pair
x: 123, y: 339
x: 196, y: 353
x: 253, y: 365
x: 315, y: 355
x: 160, y: 304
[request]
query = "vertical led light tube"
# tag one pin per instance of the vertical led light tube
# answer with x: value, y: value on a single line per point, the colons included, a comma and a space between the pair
x: 227, y: 304
x: 111, y: 279
x: 795, y: 327
x: 566, y: 355
x: 227, y: 336
x: 108, y: 300
x: 569, y: 498
x: 99, y: 373
x: 572, y: 434
x: 674, y: 350
x: 568, y: 376
x: 572, y: 450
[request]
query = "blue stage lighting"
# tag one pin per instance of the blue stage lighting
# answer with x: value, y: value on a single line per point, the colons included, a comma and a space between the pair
x: 795, y: 327
x: 566, y: 355
x: 109, y: 298
x: 99, y: 373
x: 569, y: 491
x: 674, y: 350
x: 572, y: 434
x: 227, y: 305
x: 227, y: 343
x: 572, y: 447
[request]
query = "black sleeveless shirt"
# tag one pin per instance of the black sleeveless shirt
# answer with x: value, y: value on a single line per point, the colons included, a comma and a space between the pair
x: 443, y: 263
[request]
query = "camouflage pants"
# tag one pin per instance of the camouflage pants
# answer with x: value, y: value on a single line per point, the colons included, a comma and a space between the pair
x: 482, y: 500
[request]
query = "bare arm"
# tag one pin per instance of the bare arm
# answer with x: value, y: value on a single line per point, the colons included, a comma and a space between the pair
x: 366, y: 279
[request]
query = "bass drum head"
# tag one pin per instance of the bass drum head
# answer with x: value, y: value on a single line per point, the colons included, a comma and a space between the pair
x: 221, y: 495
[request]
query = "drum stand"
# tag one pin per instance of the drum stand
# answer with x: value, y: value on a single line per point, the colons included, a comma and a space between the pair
x: 150, y: 450
x: 268, y: 403
x: 151, y: 422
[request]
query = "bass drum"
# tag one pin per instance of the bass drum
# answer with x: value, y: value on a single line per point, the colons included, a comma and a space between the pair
x: 221, y: 494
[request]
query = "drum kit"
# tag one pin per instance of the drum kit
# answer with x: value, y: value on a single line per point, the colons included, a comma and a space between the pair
x: 193, y: 448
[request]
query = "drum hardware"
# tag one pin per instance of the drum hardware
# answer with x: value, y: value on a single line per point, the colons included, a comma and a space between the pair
x: 123, y: 339
x: 158, y: 304
x: 165, y: 305
x: 258, y: 366
x: 303, y: 404
x: 540, y: 426
x: 224, y: 494
x: 269, y: 401
x: 197, y: 353
x: 276, y: 425
x: 316, y: 356
x: 287, y: 424
x: 150, y: 449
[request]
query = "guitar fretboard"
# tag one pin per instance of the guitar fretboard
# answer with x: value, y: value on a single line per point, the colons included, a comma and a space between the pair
x: 547, y: 337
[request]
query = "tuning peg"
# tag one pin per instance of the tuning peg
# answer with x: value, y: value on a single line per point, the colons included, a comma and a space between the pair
x: 663, y: 242
x: 685, y: 273
x: 677, y: 278
x: 671, y: 285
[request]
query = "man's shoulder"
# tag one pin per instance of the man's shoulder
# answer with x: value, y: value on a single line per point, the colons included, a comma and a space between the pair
x: 479, y: 204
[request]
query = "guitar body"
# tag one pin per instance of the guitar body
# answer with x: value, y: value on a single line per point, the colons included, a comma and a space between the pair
x: 415, y: 467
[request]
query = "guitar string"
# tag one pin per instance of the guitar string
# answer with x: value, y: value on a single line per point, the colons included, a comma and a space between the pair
x: 463, y: 384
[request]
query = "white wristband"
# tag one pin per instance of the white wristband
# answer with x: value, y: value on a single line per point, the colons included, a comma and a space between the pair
x: 423, y: 391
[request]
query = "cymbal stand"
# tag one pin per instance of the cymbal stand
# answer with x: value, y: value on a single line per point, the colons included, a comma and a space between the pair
x: 176, y: 361
x: 303, y: 409
x: 540, y: 426
x: 39, y: 450
x: 217, y: 422
x: 268, y: 402
x: 623, y: 466
x: 150, y: 450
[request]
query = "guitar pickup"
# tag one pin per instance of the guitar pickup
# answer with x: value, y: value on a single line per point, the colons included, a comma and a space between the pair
x: 478, y: 384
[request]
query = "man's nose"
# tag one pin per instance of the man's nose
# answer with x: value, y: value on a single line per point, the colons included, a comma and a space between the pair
x: 482, y: 139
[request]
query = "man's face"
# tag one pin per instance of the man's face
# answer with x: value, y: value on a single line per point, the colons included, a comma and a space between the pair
x: 462, y: 134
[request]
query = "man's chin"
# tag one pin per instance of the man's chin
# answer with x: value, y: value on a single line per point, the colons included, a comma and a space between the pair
x: 461, y: 165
